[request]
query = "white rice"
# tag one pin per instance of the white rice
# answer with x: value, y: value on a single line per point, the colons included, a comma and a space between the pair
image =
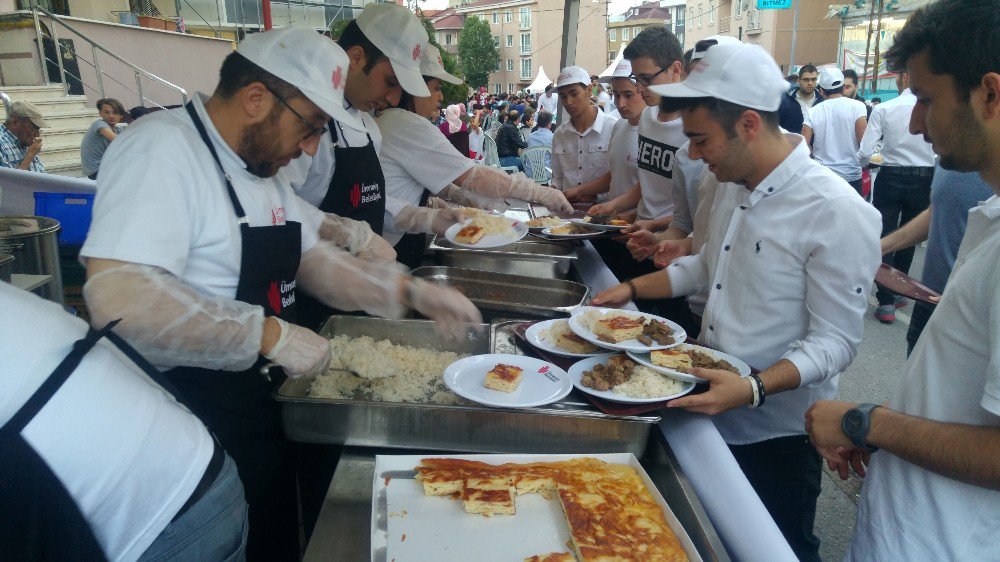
x: 647, y: 383
x: 417, y: 378
x: 555, y: 330
x: 492, y: 224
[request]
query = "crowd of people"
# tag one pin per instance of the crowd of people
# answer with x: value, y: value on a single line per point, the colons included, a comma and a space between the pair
x: 285, y: 196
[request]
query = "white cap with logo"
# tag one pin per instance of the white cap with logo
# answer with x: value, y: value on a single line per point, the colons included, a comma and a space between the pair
x: 831, y: 78
x: 622, y: 70
x: 432, y: 65
x: 702, y: 46
x: 400, y: 36
x: 738, y: 73
x: 572, y: 75
x: 314, y: 64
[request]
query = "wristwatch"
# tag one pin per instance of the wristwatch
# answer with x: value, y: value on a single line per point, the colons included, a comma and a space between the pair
x: 856, y: 423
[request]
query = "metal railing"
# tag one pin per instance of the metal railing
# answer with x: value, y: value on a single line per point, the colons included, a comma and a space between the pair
x: 139, y: 73
x: 754, y: 23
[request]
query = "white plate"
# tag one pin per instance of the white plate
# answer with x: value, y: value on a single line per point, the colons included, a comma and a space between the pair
x: 541, y: 228
x: 576, y: 324
x: 598, y: 226
x: 520, y: 230
x: 644, y: 359
x: 534, y: 335
x: 576, y: 375
x: 548, y: 232
x: 541, y: 382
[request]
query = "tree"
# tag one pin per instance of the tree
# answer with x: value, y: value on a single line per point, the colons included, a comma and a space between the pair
x: 477, y: 55
x: 453, y: 93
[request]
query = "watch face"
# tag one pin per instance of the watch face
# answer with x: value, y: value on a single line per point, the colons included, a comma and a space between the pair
x: 853, y: 423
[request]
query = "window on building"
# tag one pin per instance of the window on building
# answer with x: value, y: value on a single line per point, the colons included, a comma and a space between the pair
x: 447, y: 39
x: 510, y: 87
x: 611, y: 56
x: 525, y: 69
x: 497, y: 69
x: 496, y: 19
x: 525, y: 43
x: 497, y: 88
x: 701, y: 15
x: 624, y: 34
x: 508, y: 16
x: 510, y: 40
x: 525, y: 17
x: 635, y: 31
x: 679, y: 16
x: 711, y: 12
x: 612, y: 35
x: 510, y: 65
x: 496, y: 41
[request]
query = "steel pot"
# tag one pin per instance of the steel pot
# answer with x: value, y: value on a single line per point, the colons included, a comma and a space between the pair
x: 6, y: 267
x: 33, y: 243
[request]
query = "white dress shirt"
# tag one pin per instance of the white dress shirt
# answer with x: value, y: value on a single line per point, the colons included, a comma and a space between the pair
x: 835, y: 140
x: 890, y: 124
x: 788, y: 267
x: 549, y: 103
x: 578, y: 158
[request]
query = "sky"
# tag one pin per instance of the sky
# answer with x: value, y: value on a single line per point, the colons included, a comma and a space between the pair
x: 616, y: 6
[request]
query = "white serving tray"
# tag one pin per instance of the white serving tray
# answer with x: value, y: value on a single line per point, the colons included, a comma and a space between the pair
x: 408, y: 526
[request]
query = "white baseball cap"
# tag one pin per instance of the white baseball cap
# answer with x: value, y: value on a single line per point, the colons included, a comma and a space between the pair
x: 697, y: 53
x: 572, y: 75
x: 432, y: 65
x: 400, y: 36
x: 738, y: 73
x: 314, y: 64
x: 622, y: 70
x: 831, y: 78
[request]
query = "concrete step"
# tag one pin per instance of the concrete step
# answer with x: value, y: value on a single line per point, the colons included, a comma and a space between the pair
x: 63, y: 135
x: 57, y: 152
x: 34, y: 93
x: 81, y: 118
x: 55, y: 105
x: 71, y: 168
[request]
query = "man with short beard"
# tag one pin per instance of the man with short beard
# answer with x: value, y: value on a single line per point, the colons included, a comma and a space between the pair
x: 200, y: 250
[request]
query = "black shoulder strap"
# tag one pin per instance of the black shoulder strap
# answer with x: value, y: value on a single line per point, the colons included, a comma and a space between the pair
x: 240, y: 214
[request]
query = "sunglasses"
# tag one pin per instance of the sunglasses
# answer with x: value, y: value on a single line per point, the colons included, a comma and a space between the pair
x: 311, y: 130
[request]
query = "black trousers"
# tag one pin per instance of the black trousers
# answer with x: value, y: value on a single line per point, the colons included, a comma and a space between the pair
x: 918, y: 319
x: 785, y: 473
x: 899, y: 196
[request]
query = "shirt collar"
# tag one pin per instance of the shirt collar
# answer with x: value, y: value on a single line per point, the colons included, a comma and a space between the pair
x: 223, y: 149
x: 780, y: 178
x: 989, y: 208
x: 597, y: 126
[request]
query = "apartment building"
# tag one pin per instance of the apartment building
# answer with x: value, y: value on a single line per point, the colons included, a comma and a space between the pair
x: 624, y: 27
x: 528, y: 35
x: 817, y: 36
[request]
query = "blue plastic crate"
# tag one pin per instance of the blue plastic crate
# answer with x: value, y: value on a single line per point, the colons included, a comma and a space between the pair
x: 72, y: 210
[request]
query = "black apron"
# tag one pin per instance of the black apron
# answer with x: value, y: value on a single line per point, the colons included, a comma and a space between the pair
x: 238, y: 407
x: 39, y: 520
x: 410, y: 248
x: 356, y: 191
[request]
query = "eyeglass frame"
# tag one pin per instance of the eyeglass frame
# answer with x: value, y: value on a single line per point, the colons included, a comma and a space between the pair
x: 312, y: 130
x: 645, y: 82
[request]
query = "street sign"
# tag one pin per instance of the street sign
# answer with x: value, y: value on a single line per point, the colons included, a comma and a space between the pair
x: 774, y: 4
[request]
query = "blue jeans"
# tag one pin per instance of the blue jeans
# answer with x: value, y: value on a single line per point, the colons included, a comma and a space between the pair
x: 213, y: 528
x: 899, y: 198
x: 507, y: 161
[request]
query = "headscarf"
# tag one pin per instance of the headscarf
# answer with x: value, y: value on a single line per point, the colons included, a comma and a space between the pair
x: 452, y: 116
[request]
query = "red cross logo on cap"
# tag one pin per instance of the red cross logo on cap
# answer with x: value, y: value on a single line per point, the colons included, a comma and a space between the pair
x: 338, y: 76
x: 416, y: 51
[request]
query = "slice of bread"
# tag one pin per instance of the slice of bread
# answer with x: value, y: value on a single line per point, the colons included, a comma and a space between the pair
x: 493, y: 496
x: 574, y: 343
x: 504, y: 378
x: 675, y: 359
x: 552, y: 557
x: 470, y: 234
x: 618, y: 327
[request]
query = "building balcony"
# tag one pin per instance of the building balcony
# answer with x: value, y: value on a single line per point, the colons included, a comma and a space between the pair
x: 754, y: 22
x: 724, y: 24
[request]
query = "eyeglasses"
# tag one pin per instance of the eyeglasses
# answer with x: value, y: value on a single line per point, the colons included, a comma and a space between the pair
x: 311, y: 130
x: 644, y: 81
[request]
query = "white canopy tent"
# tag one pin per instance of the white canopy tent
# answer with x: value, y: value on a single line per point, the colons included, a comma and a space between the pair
x: 606, y: 75
x: 541, y: 81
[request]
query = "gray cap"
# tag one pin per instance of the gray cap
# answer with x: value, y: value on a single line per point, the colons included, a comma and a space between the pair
x: 27, y: 109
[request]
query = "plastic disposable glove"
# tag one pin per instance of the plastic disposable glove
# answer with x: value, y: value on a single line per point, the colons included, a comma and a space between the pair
x: 426, y: 220
x: 449, y: 308
x: 497, y: 184
x: 356, y: 237
x: 301, y: 352
x: 454, y: 195
x: 171, y: 324
x: 343, y: 281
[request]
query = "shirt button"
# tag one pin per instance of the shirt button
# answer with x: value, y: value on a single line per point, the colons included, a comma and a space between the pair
x: 770, y: 189
x: 859, y: 290
x: 744, y: 207
x: 727, y: 247
x: 711, y: 328
x: 718, y: 285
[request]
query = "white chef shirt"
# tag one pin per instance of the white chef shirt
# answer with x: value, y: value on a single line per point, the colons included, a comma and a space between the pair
x: 623, y: 156
x: 415, y: 156
x: 953, y: 376
x: 161, y: 201
x: 835, y: 143
x: 125, y: 450
x: 788, y: 267
x: 309, y: 176
x: 890, y: 124
x: 578, y: 158
x: 658, y: 144
x: 548, y: 103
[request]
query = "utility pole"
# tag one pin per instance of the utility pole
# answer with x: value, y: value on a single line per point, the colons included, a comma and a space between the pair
x: 868, y: 45
x: 795, y: 28
x: 878, y: 34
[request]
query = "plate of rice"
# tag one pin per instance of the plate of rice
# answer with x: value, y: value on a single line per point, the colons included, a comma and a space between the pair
x: 584, y: 318
x: 546, y: 335
x: 499, y: 231
x: 700, y: 357
x: 640, y: 385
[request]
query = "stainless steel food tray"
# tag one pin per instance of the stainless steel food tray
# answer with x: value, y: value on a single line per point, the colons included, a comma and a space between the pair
x: 528, y: 257
x: 511, y: 294
x: 571, y: 425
